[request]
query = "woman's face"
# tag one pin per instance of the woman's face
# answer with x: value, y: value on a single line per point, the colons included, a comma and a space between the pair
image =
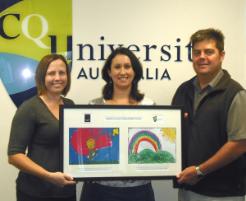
x: 121, y: 72
x: 56, y: 77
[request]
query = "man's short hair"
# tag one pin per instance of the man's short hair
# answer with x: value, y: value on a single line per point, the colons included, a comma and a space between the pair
x: 209, y: 34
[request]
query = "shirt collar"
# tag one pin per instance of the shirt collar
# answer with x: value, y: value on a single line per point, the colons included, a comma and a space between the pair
x: 212, y: 84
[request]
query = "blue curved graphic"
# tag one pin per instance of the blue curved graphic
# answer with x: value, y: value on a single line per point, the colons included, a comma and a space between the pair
x: 19, y: 98
x: 17, y: 74
x: 4, y: 4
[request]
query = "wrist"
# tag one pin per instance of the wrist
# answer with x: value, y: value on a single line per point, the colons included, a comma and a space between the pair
x: 48, y: 176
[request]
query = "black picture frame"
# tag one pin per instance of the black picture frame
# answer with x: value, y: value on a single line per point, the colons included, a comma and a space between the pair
x: 121, y: 142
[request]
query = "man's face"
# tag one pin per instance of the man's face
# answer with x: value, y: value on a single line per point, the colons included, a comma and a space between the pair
x: 207, y: 58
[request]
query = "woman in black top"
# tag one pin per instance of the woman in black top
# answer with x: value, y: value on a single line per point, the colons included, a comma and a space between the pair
x: 34, y: 139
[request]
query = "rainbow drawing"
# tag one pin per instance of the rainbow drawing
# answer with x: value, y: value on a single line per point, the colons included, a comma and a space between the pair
x: 151, y: 145
x: 144, y: 136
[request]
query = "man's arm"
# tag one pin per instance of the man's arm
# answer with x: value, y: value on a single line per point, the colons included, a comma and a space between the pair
x: 225, y: 155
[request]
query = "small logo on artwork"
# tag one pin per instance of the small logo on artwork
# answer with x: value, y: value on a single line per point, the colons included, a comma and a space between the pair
x: 157, y: 118
x: 87, y: 118
x: 154, y: 118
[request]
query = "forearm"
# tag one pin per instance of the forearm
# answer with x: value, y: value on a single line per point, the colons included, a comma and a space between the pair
x: 25, y: 164
x: 228, y: 153
x: 225, y: 155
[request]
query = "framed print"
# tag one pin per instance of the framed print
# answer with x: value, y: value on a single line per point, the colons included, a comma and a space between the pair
x: 105, y: 141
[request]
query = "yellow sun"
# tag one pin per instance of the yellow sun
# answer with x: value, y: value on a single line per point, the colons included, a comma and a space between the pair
x: 169, y: 133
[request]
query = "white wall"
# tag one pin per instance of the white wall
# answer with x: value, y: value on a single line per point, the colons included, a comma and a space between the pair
x: 156, y: 22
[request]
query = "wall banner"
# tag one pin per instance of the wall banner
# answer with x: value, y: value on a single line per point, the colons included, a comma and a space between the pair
x: 30, y: 29
x: 157, y: 32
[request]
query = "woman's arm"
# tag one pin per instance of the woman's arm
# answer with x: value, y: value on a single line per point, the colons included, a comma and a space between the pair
x: 25, y: 164
x: 22, y: 132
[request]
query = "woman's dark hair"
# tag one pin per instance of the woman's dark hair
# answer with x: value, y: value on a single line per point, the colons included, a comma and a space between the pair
x: 42, y: 70
x: 137, y: 68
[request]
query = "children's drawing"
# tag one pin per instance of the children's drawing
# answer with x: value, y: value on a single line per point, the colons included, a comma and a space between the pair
x: 93, y: 145
x: 151, y: 145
